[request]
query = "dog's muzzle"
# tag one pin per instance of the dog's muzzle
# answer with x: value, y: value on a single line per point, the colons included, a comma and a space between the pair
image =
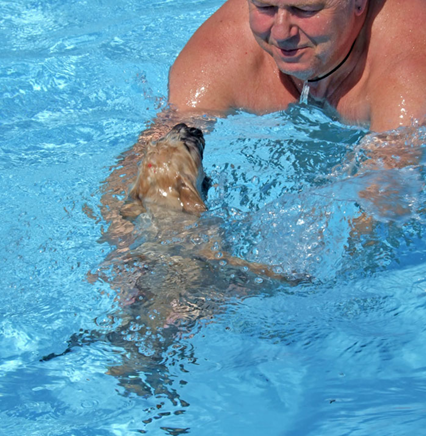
x: 190, y: 136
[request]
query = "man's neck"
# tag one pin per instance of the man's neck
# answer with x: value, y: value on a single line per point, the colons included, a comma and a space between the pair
x: 337, y: 82
x: 331, y: 85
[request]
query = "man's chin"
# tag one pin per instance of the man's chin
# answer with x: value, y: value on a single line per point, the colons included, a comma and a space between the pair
x: 295, y: 70
x: 302, y: 75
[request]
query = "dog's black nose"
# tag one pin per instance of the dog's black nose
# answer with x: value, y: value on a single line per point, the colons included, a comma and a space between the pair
x: 191, y: 135
x: 196, y: 132
x: 190, y: 131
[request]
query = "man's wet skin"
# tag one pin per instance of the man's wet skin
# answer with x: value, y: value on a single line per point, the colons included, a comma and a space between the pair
x: 255, y: 55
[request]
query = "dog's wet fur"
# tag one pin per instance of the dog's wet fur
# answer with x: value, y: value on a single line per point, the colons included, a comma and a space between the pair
x: 170, y: 175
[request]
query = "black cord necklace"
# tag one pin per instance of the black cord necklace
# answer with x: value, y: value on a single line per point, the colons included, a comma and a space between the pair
x: 317, y: 79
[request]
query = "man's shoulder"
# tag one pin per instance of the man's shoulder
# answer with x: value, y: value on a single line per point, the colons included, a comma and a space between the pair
x: 217, y: 55
x: 397, y: 24
x: 230, y: 21
x: 397, y: 37
x: 396, y: 62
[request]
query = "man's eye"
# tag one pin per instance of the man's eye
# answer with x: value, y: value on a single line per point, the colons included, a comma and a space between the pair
x: 263, y: 7
x: 299, y: 11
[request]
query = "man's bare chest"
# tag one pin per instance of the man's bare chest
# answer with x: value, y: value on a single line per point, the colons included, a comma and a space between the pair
x: 351, y: 108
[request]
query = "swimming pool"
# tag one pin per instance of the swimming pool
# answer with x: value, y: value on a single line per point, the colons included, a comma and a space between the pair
x: 337, y: 351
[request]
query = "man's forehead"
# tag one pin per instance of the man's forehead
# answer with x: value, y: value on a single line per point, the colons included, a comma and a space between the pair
x: 301, y: 3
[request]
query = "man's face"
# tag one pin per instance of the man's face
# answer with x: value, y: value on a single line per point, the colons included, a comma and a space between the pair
x: 306, y: 38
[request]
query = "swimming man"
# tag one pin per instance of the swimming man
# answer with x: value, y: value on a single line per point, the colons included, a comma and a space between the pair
x: 364, y: 59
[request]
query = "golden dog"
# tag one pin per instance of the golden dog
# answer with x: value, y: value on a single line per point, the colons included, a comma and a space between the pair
x: 170, y: 174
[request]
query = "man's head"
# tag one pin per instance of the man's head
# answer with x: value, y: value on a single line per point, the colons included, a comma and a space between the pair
x: 306, y: 38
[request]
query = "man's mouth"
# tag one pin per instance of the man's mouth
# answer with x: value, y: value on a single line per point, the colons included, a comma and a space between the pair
x: 291, y: 51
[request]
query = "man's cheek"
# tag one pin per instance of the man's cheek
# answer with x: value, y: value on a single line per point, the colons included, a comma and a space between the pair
x: 259, y: 25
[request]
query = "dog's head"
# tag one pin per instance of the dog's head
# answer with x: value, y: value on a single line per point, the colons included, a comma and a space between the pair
x: 192, y: 138
x: 171, y: 174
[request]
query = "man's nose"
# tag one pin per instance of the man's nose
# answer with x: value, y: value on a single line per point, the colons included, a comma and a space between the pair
x: 283, y: 27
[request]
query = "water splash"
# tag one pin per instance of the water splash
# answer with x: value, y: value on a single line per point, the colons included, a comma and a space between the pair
x: 304, y: 94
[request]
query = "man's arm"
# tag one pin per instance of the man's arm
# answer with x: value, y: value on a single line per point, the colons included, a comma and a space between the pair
x: 388, y: 159
x: 397, y: 111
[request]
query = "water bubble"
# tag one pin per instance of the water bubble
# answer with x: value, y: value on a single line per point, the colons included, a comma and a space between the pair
x: 89, y: 404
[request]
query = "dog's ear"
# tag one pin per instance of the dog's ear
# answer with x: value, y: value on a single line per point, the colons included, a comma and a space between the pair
x: 132, y: 209
x: 133, y: 206
x: 190, y: 198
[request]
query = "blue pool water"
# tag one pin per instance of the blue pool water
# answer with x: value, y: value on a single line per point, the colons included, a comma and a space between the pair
x: 201, y: 347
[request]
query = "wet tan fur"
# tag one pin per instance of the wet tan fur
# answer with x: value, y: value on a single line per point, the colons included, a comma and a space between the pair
x: 169, y: 176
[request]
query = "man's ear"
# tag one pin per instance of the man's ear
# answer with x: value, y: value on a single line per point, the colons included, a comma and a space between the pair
x: 360, y: 6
